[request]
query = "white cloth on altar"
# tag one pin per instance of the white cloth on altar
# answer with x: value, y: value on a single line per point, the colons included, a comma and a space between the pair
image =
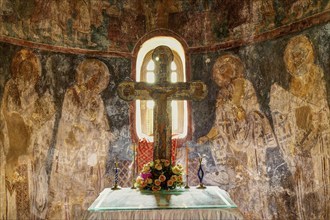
x: 184, y: 214
x: 193, y: 203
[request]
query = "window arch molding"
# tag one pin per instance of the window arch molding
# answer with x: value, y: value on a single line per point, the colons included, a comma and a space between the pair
x: 141, y: 53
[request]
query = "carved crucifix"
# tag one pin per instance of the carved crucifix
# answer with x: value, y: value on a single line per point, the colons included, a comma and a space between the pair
x: 162, y: 92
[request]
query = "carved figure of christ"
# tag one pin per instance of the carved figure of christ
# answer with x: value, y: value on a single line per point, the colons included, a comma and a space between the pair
x: 162, y: 92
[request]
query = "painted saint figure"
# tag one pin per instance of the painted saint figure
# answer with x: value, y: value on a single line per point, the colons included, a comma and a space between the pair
x: 239, y: 136
x: 82, y: 22
x: 302, y: 122
x: 27, y: 120
x: 78, y: 173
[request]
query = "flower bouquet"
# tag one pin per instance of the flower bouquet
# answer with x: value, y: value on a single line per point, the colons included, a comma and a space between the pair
x: 160, y: 175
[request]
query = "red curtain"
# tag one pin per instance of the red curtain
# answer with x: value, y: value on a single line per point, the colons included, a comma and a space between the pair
x: 145, y: 152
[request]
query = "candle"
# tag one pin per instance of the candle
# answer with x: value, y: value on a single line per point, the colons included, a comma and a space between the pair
x: 134, y: 148
x: 134, y: 166
x: 187, y: 153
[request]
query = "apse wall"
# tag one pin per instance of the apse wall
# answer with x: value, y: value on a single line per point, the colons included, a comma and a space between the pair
x: 59, y: 137
x: 270, y: 149
x: 264, y: 131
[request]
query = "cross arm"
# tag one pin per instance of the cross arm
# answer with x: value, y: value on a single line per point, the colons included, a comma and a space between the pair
x: 195, y: 90
x: 130, y: 91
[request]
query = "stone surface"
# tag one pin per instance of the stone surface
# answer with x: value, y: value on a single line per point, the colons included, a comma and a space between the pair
x: 291, y: 175
x: 279, y: 147
x: 302, y: 121
x: 80, y: 156
x: 27, y: 122
x: 46, y: 119
x: 239, y: 138
x: 118, y: 25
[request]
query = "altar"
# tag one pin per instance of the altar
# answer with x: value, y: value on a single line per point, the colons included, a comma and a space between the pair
x: 209, y: 203
x: 161, y: 194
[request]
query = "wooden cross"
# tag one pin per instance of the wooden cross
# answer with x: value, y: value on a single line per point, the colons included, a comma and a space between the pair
x: 162, y: 92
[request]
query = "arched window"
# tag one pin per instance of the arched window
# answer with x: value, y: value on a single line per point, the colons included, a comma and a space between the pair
x: 145, y: 73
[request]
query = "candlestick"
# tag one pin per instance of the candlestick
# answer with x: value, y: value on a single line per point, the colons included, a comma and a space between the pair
x: 137, y: 158
x: 200, y: 174
x: 116, y: 173
x: 116, y: 187
x: 187, y: 158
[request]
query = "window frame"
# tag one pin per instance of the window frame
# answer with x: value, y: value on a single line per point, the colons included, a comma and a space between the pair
x: 157, y: 40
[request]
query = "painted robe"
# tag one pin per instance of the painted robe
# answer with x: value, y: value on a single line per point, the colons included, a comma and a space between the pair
x: 27, y: 120
x: 302, y: 126
x: 239, y: 150
x: 78, y: 174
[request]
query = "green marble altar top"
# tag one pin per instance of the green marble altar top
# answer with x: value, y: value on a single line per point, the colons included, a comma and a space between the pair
x: 134, y: 199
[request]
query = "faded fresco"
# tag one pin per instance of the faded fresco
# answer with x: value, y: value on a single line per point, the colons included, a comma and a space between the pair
x: 57, y: 145
x: 79, y: 162
x: 88, y: 24
x: 118, y: 25
x: 302, y: 126
x: 239, y: 138
x: 269, y: 129
x: 27, y: 121
x: 263, y: 128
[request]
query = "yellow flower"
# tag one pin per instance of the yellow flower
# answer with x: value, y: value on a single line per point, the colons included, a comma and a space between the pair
x: 157, y: 161
x: 162, y: 178
x: 162, y: 160
x: 146, y: 169
x: 149, y: 181
x: 158, y: 167
x: 139, y: 180
x: 176, y: 170
x: 157, y: 182
x: 169, y: 183
x: 180, y: 178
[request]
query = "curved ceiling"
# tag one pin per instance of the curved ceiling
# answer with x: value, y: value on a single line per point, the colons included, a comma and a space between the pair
x: 117, y: 25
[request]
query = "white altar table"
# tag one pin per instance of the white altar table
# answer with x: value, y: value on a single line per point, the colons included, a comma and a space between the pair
x: 193, y: 203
